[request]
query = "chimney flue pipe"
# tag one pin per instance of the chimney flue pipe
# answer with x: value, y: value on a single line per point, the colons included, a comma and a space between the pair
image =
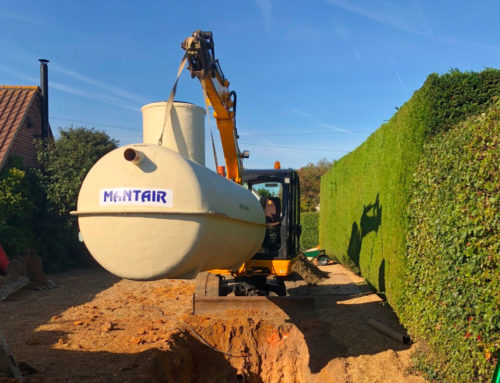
x: 44, y: 85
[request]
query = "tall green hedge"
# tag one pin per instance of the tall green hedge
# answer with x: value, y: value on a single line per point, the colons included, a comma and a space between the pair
x: 364, y: 195
x: 364, y: 220
x: 310, y: 236
x: 452, y: 284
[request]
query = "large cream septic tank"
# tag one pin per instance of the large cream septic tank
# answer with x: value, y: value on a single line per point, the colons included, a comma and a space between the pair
x: 146, y: 212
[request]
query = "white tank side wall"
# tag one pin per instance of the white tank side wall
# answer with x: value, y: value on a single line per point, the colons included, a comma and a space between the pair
x: 184, y: 132
x: 136, y: 247
x: 222, y: 224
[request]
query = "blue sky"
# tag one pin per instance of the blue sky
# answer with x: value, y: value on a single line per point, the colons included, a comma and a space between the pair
x: 314, y: 78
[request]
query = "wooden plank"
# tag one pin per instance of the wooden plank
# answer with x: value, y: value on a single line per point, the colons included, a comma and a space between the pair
x: 10, y: 288
x: 8, y: 363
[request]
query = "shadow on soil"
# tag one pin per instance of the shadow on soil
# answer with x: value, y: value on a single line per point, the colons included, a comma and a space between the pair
x: 336, y: 329
x: 187, y: 361
x: 339, y: 329
x: 23, y: 312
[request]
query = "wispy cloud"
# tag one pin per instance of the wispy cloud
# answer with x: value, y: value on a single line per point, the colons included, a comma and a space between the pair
x: 392, y: 19
x: 356, y: 54
x: 344, y: 34
x: 266, y: 11
x: 399, y: 78
x: 105, y: 92
x: 121, y: 93
x: 391, y: 14
x: 37, y: 22
x: 19, y: 75
x: 94, y: 96
x: 342, y: 31
x: 5, y: 14
x: 316, y: 121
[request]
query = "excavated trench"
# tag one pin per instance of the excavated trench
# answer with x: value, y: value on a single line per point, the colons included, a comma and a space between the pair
x: 247, y: 350
x: 244, y: 349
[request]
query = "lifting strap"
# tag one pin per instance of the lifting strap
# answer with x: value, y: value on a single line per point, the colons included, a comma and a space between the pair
x: 170, y: 101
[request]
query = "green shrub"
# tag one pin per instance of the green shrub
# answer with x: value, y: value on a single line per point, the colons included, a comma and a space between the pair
x: 35, y: 204
x: 28, y: 220
x: 309, y: 237
x: 364, y: 195
x: 453, y: 278
x: 19, y: 207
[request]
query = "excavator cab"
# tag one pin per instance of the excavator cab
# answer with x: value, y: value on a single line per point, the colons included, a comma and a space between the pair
x: 279, y: 193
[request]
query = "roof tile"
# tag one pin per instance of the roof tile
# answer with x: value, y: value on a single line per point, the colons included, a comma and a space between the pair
x: 14, y: 104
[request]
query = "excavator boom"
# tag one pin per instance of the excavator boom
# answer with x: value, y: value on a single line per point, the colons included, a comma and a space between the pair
x: 203, y: 65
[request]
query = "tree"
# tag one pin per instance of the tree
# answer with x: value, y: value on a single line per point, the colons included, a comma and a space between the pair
x: 263, y: 192
x: 67, y: 161
x: 310, y: 178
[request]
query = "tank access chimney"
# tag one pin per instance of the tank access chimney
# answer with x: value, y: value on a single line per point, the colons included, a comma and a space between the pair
x: 44, y: 85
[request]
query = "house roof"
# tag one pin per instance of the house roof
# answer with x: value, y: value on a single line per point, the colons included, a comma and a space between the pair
x: 15, y: 102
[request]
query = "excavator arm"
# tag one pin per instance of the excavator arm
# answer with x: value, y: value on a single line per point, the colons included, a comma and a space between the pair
x: 203, y: 65
x: 258, y: 283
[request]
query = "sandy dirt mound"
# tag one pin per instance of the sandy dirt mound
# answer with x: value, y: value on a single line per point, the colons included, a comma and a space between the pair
x: 310, y: 273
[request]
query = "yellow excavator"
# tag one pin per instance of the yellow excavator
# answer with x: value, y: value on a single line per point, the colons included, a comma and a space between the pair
x: 277, y: 189
x: 146, y: 211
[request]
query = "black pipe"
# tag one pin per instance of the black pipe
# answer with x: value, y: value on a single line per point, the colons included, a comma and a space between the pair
x: 44, y: 85
x: 397, y: 335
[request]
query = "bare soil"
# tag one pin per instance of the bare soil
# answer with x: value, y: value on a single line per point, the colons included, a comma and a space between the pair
x: 98, y: 328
